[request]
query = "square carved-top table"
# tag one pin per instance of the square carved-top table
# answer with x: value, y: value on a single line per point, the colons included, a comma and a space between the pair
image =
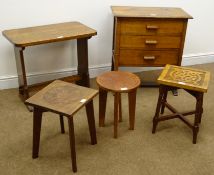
x: 193, y: 81
x: 24, y: 37
x: 65, y: 99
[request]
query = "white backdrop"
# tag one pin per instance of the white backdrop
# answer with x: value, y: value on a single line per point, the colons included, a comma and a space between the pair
x: 61, y: 57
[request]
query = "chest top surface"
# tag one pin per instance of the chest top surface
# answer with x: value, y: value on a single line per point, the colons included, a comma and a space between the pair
x: 149, y: 12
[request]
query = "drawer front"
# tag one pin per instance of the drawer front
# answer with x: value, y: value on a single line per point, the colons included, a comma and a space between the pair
x: 147, y: 58
x: 151, y: 27
x: 150, y: 42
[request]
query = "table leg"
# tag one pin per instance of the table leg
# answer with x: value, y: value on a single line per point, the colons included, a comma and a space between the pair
x: 198, y: 113
x: 120, y: 109
x: 37, y: 121
x: 20, y: 65
x: 132, y: 105
x: 91, y: 122
x: 162, y: 89
x: 116, y: 110
x: 72, y: 143
x: 62, y: 124
x: 82, y: 54
x: 102, y: 106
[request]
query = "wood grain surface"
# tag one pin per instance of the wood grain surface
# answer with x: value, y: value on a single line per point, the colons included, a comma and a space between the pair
x: 183, y: 77
x: 62, y: 97
x: 48, y: 33
x: 118, y: 81
x: 150, y: 12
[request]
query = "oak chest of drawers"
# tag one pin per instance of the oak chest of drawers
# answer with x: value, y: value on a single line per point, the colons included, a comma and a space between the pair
x: 148, y: 36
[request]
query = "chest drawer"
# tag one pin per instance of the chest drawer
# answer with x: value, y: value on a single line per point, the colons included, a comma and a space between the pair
x: 151, y: 27
x: 134, y: 57
x: 150, y: 42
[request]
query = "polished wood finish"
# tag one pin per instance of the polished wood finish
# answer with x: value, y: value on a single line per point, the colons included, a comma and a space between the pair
x: 117, y: 82
x: 148, y: 36
x: 148, y: 12
x: 48, y: 33
x: 64, y: 99
x: 184, y: 77
x: 193, y: 81
x: 24, y: 37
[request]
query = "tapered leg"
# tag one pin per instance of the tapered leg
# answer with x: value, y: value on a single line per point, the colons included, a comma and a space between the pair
x: 164, y: 101
x: 21, y: 72
x: 155, y: 119
x: 197, y: 116
x: 201, y: 111
x: 62, y: 124
x: 82, y: 55
x: 37, y: 121
x: 72, y: 143
x: 120, y: 108
x: 132, y: 104
x: 91, y: 122
x: 102, y: 106
x: 116, y: 110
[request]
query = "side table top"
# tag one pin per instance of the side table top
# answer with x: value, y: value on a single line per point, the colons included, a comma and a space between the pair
x: 118, y: 81
x: 48, y: 33
x: 185, y: 77
x: 62, y: 97
x: 149, y: 12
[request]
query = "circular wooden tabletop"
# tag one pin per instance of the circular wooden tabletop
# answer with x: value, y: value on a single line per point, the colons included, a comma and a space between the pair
x: 118, y: 81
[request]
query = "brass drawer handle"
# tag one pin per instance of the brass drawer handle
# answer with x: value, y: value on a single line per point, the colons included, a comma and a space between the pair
x: 149, y: 57
x: 151, y: 42
x: 152, y: 27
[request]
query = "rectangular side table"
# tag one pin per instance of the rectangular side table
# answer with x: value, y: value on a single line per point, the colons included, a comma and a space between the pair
x: 24, y: 37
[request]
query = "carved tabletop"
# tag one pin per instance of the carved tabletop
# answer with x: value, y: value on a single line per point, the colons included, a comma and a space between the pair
x: 183, y: 77
x: 62, y: 97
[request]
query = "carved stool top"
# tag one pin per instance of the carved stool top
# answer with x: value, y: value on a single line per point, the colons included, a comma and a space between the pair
x: 118, y: 81
x: 62, y: 97
x: 184, y: 77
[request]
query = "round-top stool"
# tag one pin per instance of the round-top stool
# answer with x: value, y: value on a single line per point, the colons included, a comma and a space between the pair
x: 117, y: 82
x: 193, y: 81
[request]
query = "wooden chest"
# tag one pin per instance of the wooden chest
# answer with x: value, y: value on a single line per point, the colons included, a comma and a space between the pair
x: 148, y: 36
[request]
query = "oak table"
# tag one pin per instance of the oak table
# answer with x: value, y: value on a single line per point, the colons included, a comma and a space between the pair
x: 31, y: 36
x: 193, y: 81
x: 117, y: 82
x: 65, y: 99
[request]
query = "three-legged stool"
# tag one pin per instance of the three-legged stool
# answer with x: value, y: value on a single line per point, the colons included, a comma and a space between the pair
x: 193, y: 81
x: 64, y: 99
x: 117, y: 82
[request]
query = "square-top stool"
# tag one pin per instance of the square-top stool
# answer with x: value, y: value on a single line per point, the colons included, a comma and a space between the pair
x: 117, y: 82
x: 193, y: 81
x: 64, y: 99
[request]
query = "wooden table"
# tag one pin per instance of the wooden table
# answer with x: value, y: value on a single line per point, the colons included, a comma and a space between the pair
x: 64, y: 99
x: 117, y: 82
x: 194, y: 82
x: 24, y: 37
